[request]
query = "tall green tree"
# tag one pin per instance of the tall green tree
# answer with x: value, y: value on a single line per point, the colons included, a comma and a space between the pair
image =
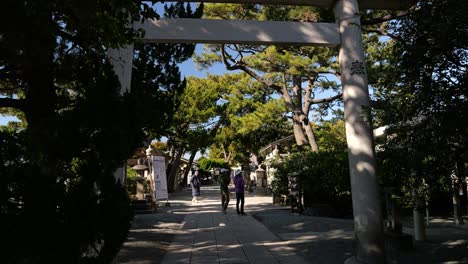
x: 216, y: 111
x: 250, y: 120
x: 193, y: 127
x: 423, y: 95
x: 59, y: 202
x: 297, y: 74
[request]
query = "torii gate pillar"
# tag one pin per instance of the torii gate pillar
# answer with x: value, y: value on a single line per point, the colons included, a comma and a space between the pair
x: 364, y: 188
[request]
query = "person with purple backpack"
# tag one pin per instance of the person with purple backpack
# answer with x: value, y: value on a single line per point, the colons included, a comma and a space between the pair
x: 239, y: 189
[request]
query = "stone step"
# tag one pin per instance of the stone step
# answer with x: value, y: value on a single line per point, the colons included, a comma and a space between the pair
x: 139, y: 202
x: 142, y: 207
x: 143, y: 211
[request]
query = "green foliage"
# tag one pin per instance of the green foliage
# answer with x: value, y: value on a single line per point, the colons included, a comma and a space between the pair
x: 231, y: 11
x: 324, y: 177
x: 415, y: 175
x: 426, y: 108
x: 159, y: 145
x: 58, y: 164
x: 279, y: 184
x: 229, y: 112
x: 208, y: 164
x: 248, y: 118
x: 279, y: 71
x: 131, y: 180
x: 331, y: 135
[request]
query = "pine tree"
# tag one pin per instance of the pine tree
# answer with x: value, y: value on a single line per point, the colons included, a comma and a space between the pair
x: 297, y: 74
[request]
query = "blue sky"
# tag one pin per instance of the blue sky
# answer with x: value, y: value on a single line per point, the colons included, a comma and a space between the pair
x: 188, y: 68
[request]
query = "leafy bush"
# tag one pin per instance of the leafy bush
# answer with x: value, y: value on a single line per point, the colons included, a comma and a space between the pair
x: 324, y: 177
x: 131, y: 180
x: 208, y: 164
x: 417, y: 176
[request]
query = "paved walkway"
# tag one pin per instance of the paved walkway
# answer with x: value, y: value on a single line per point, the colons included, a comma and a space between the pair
x: 200, y: 233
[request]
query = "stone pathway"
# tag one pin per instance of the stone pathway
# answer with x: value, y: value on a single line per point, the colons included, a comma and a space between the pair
x: 200, y: 233
x: 204, y: 234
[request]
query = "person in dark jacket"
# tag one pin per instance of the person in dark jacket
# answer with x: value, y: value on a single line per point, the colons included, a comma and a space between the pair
x: 239, y: 188
x: 195, y: 183
x: 224, y: 180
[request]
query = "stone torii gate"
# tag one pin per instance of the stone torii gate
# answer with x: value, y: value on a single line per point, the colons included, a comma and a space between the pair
x: 345, y: 33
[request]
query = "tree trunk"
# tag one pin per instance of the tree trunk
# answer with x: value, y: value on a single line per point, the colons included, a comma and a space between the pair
x: 299, y: 132
x: 226, y: 154
x: 189, y: 165
x: 419, y: 225
x: 456, y: 184
x: 457, y: 212
x: 465, y: 195
x: 42, y: 188
x: 246, y: 171
x: 310, y: 134
x: 171, y: 179
x: 461, y: 168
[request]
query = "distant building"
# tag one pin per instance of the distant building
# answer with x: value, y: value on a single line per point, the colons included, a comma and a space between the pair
x: 274, y: 151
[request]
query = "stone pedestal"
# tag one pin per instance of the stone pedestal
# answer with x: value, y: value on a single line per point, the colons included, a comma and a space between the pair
x: 140, y: 188
x: 261, y: 179
x: 395, y: 241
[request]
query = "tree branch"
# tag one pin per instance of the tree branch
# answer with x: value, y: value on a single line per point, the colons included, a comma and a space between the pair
x: 19, y: 104
x: 389, y: 17
x: 316, y: 73
x: 239, y: 65
x: 309, y: 95
x: 393, y: 36
x: 284, y: 91
x: 325, y: 100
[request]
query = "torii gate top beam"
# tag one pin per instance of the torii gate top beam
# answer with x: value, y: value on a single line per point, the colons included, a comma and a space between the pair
x: 192, y: 30
x: 363, y: 4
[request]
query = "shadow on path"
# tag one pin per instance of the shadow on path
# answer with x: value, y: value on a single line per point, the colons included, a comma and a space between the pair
x: 200, y: 233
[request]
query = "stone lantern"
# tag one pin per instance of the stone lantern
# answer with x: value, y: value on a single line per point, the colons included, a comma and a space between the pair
x: 276, y: 152
x: 140, y: 169
x: 149, y: 151
x: 261, y: 179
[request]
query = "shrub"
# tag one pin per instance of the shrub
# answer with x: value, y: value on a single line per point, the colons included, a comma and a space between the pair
x: 131, y: 180
x: 208, y: 164
x: 324, y: 177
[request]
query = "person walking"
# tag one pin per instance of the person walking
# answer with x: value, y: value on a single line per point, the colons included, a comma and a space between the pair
x: 239, y: 188
x: 224, y: 180
x: 195, y: 183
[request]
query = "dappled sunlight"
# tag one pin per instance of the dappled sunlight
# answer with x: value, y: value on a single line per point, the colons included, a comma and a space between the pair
x: 172, y: 231
x: 230, y: 246
x: 363, y: 166
x: 457, y: 242
x: 305, y: 237
x: 296, y: 226
x: 201, y: 232
x: 239, y: 32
